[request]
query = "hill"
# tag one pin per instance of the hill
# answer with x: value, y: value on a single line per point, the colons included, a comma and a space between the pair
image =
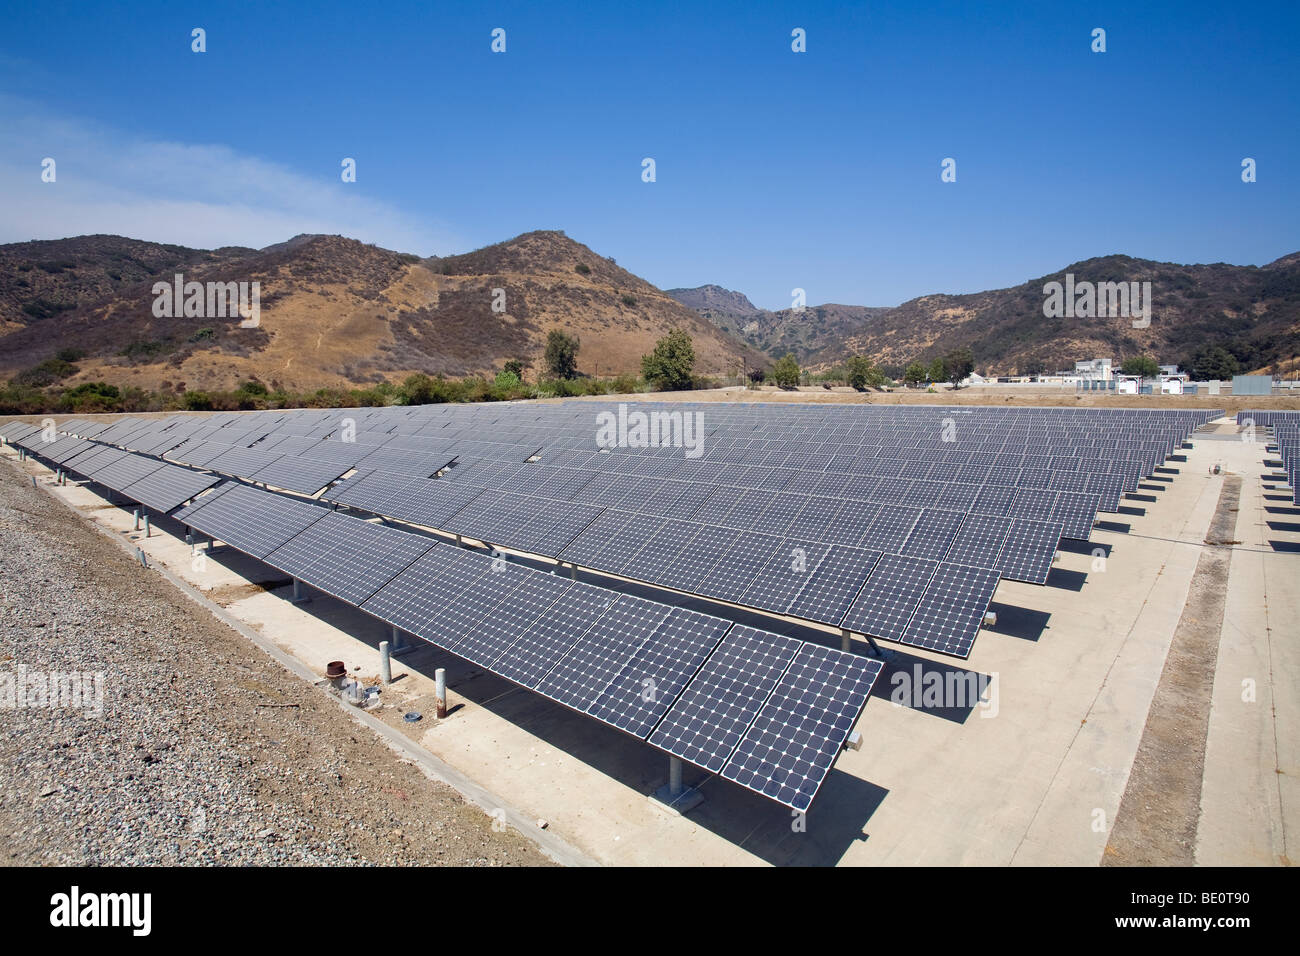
x: 1252, y: 311
x: 334, y: 312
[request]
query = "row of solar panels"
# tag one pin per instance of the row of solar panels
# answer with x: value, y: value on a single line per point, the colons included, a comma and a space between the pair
x: 156, y: 484
x: 466, y: 443
x: 914, y: 597
x: 731, y: 500
x: 932, y: 594
x: 1286, y: 438
x: 812, y: 557
x: 768, y: 712
x: 194, y: 443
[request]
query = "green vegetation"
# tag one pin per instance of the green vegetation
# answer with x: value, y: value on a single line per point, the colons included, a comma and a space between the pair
x: 785, y: 372
x: 44, y: 308
x: 628, y: 299
x: 957, y: 365
x: 562, y: 355
x: 670, y: 366
x: 582, y: 269
x: 506, y: 380
x: 1214, y: 362
x: 915, y: 374
x: 862, y: 374
x: 515, y: 367
x: 1143, y: 365
x: 936, y: 372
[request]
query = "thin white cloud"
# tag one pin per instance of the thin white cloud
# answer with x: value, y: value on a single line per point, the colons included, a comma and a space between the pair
x: 192, y: 194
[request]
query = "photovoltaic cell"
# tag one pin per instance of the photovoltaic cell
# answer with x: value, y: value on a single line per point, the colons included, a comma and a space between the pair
x: 949, y: 616
x: 347, y: 557
x: 889, y: 598
x: 791, y: 747
x: 717, y: 707
x: 531, y: 657
x: 653, y: 678
x: 602, y: 652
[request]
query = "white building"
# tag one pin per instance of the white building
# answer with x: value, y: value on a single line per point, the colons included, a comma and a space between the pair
x: 1094, y: 370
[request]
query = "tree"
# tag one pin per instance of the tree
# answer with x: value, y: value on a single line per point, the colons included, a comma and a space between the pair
x: 562, y: 354
x: 937, y: 371
x: 915, y: 374
x: 1033, y: 368
x: 1214, y: 362
x: 959, y: 363
x: 1143, y: 365
x: 669, y: 366
x: 785, y: 372
x: 515, y: 367
x: 862, y: 373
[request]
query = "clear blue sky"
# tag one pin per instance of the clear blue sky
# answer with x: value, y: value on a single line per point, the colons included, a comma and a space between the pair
x: 774, y: 169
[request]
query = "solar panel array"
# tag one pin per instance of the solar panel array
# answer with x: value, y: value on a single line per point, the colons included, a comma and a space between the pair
x: 961, y: 488
x: 1285, y: 426
x: 897, y: 523
x: 620, y: 659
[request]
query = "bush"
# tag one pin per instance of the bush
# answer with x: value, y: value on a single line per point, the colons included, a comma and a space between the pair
x: 628, y: 299
x: 582, y: 269
x: 506, y: 380
x: 197, y: 401
x: 562, y: 354
x: 785, y: 372
x: 625, y: 384
x: 669, y: 366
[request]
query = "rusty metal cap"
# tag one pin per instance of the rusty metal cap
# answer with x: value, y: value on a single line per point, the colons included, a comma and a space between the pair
x: 335, y: 669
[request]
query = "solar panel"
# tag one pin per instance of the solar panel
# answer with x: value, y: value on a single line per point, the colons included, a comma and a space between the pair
x: 207, y: 499
x: 654, y: 676
x: 417, y: 500
x: 348, y: 558
x: 299, y: 474
x: 415, y: 598
x: 889, y: 598
x: 531, y: 657
x: 511, y: 619
x: 1028, y: 550
x: 979, y: 541
x: 793, y: 744
x: 784, y: 574
x: 252, y: 521
x: 708, y: 721
x: 933, y: 534
x: 830, y: 589
x: 125, y: 470
x: 742, y: 558
x: 168, y: 487
x: 949, y: 616
x: 600, y: 655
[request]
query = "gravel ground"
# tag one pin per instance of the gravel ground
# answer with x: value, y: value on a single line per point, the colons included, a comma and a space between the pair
x: 207, y: 751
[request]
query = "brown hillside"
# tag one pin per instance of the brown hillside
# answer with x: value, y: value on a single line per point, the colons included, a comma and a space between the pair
x: 1254, y: 312
x: 337, y: 312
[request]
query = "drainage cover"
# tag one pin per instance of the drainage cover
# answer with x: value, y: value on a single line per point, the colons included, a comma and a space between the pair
x: 411, y: 716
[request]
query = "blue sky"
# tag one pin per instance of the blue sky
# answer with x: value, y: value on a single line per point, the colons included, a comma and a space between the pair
x: 775, y: 169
